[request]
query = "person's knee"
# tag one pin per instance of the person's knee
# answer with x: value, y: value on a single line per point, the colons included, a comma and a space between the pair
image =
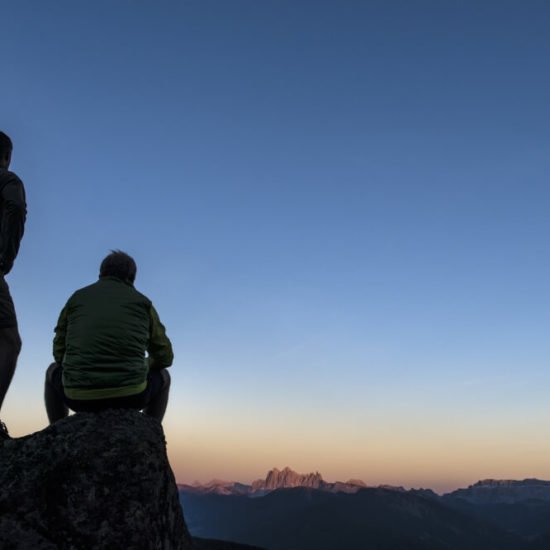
x: 50, y: 371
x: 17, y: 343
x: 11, y: 340
x: 166, y: 380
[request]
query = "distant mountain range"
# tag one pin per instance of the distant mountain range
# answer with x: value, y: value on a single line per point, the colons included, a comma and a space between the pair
x: 276, y: 479
x: 291, y: 511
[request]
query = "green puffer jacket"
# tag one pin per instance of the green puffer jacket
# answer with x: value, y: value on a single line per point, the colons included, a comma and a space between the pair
x: 101, y: 338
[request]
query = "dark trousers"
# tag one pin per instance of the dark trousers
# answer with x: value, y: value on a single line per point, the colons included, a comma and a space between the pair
x: 10, y: 341
x: 153, y: 400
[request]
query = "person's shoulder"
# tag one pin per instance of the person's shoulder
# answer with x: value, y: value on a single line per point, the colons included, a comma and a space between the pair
x: 141, y: 295
x: 123, y: 287
x: 84, y: 290
x: 6, y: 176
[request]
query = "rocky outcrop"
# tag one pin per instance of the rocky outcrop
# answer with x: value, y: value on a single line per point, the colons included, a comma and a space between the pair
x: 91, y: 481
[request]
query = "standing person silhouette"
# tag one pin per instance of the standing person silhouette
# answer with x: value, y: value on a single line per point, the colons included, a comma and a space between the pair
x: 13, y: 213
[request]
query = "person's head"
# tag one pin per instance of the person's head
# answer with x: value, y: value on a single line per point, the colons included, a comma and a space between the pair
x: 118, y: 264
x: 6, y: 147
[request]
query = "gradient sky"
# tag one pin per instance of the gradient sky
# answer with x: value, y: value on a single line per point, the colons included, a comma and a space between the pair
x: 339, y: 209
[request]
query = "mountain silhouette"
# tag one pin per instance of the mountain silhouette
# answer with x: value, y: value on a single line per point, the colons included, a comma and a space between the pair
x: 312, y: 519
x: 522, y: 507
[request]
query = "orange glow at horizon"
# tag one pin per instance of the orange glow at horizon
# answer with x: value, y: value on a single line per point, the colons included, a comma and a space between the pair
x: 413, y: 451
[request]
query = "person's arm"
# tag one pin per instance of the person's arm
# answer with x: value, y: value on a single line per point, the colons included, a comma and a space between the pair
x: 13, y: 222
x: 160, y: 348
x: 59, y: 344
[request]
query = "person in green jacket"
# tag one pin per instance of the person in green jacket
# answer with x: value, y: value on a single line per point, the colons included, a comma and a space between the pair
x: 110, y: 348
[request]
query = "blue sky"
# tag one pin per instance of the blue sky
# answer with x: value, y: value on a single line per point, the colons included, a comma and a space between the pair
x: 338, y: 209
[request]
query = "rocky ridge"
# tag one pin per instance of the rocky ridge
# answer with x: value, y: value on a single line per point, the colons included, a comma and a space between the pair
x: 504, y: 491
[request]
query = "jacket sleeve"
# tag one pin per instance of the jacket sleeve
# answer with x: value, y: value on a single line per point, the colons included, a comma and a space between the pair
x: 59, y: 341
x: 160, y: 348
x: 13, y: 221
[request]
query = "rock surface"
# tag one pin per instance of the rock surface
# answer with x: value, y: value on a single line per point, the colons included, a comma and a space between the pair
x: 209, y: 544
x: 91, y: 481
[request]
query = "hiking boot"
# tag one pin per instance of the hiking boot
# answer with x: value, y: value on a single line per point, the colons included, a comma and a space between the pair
x: 3, y: 432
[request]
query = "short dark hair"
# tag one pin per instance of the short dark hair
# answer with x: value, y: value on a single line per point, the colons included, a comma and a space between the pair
x: 6, y: 145
x: 118, y: 264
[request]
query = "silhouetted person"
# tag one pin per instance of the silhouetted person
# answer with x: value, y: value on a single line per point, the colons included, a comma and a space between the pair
x: 100, y: 345
x: 13, y: 212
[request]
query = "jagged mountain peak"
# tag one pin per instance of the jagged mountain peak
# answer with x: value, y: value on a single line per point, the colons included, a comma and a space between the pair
x: 286, y: 478
x: 289, y: 471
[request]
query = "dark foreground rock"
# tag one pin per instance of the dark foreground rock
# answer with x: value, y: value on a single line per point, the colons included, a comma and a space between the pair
x: 91, y: 481
x: 209, y: 544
